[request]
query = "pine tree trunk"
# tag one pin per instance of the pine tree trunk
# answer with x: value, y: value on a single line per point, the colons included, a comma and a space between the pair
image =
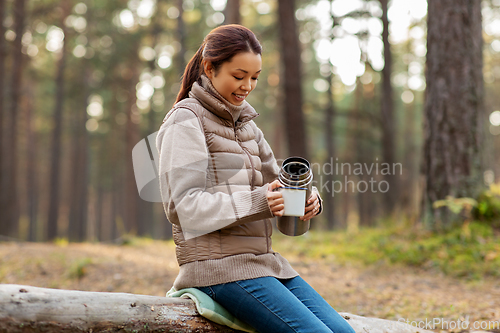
x: 291, y: 79
x: 55, y: 169
x: 131, y: 138
x: 328, y: 199
x: 388, y: 121
x: 3, y: 171
x: 232, y: 12
x: 80, y: 165
x: 115, y: 140
x: 31, y: 169
x: 454, y: 104
x: 12, y: 205
x: 181, y: 38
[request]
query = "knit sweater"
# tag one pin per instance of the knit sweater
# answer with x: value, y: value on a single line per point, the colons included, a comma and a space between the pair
x: 215, y: 166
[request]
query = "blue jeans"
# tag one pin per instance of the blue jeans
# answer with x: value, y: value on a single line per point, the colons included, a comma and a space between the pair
x: 278, y: 306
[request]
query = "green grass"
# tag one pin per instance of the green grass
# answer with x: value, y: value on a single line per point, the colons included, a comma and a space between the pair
x: 472, y: 251
x: 78, y: 269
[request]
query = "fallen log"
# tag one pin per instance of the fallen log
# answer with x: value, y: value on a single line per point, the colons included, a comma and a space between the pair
x: 25, y: 309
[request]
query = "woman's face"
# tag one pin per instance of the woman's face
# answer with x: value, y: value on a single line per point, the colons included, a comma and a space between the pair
x: 235, y: 79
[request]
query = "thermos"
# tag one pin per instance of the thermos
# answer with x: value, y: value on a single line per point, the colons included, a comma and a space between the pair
x: 296, y: 177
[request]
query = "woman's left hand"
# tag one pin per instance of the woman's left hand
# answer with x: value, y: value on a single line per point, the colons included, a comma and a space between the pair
x: 312, y: 207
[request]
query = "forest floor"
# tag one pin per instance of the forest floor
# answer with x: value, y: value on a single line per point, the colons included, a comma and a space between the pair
x: 149, y: 267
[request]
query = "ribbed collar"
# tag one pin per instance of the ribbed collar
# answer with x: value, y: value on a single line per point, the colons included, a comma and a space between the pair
x: 210, y: 98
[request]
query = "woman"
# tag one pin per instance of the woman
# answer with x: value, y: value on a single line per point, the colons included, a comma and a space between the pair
x: 218, y: 176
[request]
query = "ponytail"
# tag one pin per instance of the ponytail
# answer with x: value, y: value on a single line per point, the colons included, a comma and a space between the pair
x: 191, y: 74
x: 219, y: 46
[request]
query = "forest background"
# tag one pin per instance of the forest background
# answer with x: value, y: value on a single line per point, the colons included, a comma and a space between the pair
x: 343, y: 84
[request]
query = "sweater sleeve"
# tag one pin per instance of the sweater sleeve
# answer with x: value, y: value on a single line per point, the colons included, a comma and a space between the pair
x: 187, y: 199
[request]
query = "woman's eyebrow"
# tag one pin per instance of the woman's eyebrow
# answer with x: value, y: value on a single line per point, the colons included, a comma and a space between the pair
x: 244, y: 71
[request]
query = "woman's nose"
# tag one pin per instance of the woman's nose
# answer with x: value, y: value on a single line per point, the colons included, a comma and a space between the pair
x: 246, y: 85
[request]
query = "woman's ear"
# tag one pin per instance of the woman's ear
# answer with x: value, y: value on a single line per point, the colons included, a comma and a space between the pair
x: 208, y: 69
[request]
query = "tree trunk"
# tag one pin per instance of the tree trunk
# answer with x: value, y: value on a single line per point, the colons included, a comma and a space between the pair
x: 413, y: 158
x: 55, y: 169
x: 454, y: 104
x: 80, y: 165
x: 232, y: 12
x: 147, y: 224
x: 328, y: 199
x: 131, y: 138
x: 11, y: 209
x: 31, y: 169
x: 387, y: 111
x: 3, y: 178
x: 361, y: 155
x: 291, y: 80
x: 12, y: 205
x: 114, y: 139
x: 25, y: 309
x: 181, y: 37
x: 366, y: 128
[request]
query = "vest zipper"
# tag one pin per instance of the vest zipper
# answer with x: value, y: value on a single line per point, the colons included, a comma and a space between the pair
x: 252, y: 180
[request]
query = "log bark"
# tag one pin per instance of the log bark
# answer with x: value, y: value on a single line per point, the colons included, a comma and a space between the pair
x: 25, y: 309
x: 30, y: 309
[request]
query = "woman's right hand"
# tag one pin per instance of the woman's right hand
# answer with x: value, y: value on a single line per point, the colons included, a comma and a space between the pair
x: 275, y: 199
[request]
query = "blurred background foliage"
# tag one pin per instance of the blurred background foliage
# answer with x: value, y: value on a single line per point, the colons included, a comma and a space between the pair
x: 84, y: 81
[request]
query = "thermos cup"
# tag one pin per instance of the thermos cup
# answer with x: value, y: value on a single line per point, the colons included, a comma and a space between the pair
x: 296, y: 177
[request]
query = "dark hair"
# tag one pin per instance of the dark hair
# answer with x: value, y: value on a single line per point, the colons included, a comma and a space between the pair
x: 219, y: 46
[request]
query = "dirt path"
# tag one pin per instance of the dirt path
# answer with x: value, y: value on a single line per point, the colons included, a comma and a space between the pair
x: 149, y: 268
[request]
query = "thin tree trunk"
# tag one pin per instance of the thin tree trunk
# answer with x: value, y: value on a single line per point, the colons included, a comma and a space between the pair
x: 454, y: 104
x: 80, y: 166
x: 55, y: 169
x: 291, y: 79
x: 181, y: 37
x: 364, y: 155
x: 115, y: 140
x: 146, y: 209
x: 131, y: 138
x: 99, y: 209
x: 358, y: 147
x: 31, y: 170
x: 410, y: 197
x: 388, y: 122
x: 3, y: 170
x: 411, y: 162
x: 232, y: 12
x: 115, y: 211
x: 12, y: 204
x: 328, y: 199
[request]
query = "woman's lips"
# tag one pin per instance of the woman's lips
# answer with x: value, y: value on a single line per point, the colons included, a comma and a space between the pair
x: 240, y: 98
